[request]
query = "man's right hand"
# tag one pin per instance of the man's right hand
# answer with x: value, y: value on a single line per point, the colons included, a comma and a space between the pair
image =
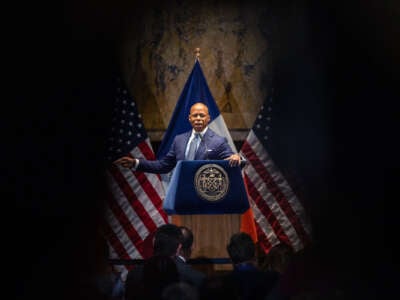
x: 125, y: 161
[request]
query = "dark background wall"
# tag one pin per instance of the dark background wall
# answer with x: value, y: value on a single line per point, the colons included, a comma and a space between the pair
x: 60, y: 60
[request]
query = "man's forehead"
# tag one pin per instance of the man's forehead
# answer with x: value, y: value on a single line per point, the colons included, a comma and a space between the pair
x: 199, y: 107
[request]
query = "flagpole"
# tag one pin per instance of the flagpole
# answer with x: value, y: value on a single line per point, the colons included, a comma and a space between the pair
x: 197, y: 54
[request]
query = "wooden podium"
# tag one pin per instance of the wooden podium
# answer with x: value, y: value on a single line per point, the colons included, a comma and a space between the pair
x: 208, y: 197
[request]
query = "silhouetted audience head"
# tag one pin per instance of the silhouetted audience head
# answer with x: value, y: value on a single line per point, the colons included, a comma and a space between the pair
x: 167, y: 240
x: 249, y: 281
x: 147, y: 281
x: 241, y: 248
x: 187, y: 242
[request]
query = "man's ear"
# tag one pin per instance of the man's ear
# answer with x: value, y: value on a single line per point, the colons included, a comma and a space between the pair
x: 178, y: 250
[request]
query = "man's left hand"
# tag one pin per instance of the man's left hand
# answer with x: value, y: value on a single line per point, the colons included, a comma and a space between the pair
x: 234, y: 160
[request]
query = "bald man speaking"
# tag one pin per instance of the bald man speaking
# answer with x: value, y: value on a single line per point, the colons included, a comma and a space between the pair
x: 200, y: 143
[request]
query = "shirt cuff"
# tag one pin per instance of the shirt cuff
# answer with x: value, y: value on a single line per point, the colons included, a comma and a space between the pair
x: 135, y: 164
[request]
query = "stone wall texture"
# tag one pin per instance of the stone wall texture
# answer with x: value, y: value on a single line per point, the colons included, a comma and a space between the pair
x: 158, y: 54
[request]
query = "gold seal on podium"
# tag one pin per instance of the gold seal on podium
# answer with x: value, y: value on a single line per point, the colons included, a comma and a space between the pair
x: 211, y: 182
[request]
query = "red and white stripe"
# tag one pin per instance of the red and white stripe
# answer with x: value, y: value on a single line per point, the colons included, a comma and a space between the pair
x: 134, y: 207
x: 278, y: 213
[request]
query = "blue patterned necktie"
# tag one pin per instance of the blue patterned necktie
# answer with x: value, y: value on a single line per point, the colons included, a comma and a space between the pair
x: 193, y: 147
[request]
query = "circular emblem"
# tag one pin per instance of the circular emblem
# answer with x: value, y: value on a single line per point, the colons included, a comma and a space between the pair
x: 211, y: 182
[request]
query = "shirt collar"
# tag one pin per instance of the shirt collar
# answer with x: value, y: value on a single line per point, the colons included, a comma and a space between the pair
x: 182, y: 258
x: 202, y: 133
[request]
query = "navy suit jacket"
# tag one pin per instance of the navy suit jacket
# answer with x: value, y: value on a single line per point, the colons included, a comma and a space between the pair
x: 188, y: 274
x: 212, y: 147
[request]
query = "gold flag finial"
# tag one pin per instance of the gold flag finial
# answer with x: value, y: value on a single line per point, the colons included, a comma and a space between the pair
x: 197, y: 53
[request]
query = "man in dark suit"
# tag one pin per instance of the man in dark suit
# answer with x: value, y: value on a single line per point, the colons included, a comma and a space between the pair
x: 168, y: 240
x: 192, y: 275
x: 206, y: 144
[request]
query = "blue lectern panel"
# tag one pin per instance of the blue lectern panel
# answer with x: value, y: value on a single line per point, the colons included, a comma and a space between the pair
x: 206, y: 187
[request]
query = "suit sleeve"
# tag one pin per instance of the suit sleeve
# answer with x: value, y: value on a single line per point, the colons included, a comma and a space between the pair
x: 163, y: 165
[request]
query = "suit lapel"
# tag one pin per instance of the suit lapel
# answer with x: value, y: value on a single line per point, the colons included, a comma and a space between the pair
x: 201, y: 151
x: 181, y: 142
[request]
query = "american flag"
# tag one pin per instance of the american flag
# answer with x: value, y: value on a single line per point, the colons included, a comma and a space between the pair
x: 278, y: 213
x: 134, y: 204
